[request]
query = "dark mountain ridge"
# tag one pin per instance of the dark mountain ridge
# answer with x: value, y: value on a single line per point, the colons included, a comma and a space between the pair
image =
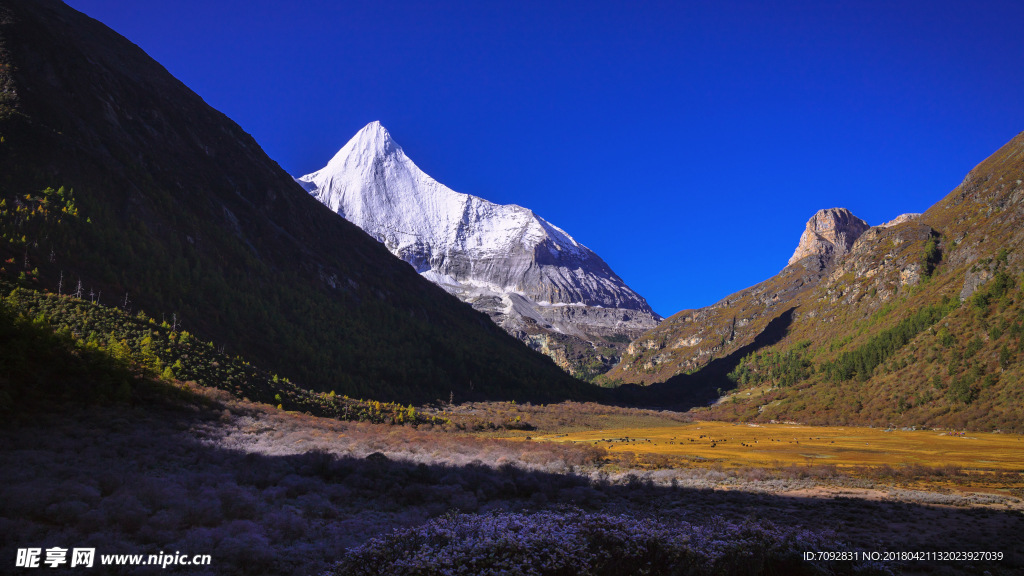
x: 181, y: 213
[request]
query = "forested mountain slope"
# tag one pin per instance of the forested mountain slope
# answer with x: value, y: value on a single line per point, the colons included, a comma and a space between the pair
x: 919, y: 323
x: 117, y: 179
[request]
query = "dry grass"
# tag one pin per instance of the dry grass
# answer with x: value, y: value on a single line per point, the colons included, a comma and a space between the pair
x: 775, y: 445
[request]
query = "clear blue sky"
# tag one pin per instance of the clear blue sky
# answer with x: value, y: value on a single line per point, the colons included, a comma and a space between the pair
x: 687, y: 143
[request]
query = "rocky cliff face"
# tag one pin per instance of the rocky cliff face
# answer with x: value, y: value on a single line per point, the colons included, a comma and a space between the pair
x: 529, y: 275
x: 830, y: 233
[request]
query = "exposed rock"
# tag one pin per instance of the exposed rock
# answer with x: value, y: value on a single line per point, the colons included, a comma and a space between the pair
x: 975, y: 277
x: 583, y: 359
x: 544, y: 344
x: 901, y: 219
x: 830, y: 233
x: 692, y: 341
x: 881, y: 261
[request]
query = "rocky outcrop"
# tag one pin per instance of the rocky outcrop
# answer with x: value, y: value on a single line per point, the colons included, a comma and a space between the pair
x: 878, y: 265
x: 830, y: 233
x: 901, y: 219
x: 973, y: 279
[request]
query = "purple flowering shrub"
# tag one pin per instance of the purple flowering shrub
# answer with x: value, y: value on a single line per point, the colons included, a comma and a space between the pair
x: 581, y: 543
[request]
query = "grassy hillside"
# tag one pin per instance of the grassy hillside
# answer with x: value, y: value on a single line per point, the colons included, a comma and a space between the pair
x: 688, y: 340
x: 928, y: 369
x: 56, y: 349
x: 919, y: 325
x: 116, y: 178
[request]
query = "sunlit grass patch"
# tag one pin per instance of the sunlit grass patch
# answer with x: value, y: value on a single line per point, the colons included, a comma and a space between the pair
x: 771, y: 445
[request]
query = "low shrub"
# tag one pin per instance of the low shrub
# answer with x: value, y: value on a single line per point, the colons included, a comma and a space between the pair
x: 576, y: 542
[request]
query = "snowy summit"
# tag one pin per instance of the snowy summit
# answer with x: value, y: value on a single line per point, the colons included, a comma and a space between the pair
x: 503, y: 259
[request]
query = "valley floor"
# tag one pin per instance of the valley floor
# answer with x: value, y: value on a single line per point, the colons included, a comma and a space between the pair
x: 268, y: 492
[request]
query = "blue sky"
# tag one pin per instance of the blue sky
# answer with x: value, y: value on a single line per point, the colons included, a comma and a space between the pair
x: 685, y: 143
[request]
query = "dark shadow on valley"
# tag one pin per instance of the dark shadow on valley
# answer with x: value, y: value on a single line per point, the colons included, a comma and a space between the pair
x: 685, y: 391
x: 131, y: 480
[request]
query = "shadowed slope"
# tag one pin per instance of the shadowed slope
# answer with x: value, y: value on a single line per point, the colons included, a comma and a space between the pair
x: 685, y: 391
x: 182, y: 214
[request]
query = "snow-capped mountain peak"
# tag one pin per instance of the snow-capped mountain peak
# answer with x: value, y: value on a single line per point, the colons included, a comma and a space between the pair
x: 472, y: 247
x: 372, y: 141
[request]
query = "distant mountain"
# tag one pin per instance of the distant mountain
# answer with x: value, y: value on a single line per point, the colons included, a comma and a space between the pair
x: 915, y: 322
x: 177, y: 211
x: 530, y: 276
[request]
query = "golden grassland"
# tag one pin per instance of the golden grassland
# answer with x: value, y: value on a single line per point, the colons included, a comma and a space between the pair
x: 773, y: 445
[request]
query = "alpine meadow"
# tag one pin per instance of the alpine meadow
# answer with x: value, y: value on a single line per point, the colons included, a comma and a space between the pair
x: 211, y: 365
